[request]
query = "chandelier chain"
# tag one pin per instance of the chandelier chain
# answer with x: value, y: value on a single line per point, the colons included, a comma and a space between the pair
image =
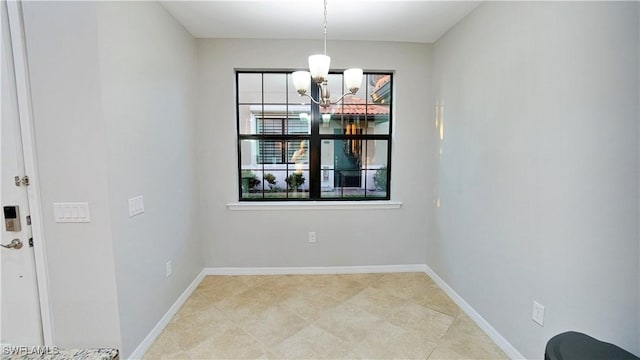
x: 324, y: 27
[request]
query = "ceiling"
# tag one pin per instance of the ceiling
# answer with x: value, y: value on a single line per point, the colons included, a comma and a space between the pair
x: 373, y: 20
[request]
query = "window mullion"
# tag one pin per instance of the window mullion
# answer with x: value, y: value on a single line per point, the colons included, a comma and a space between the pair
x: 314, y: 147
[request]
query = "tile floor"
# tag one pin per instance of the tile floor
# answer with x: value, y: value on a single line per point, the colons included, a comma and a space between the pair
x: 358, y: 316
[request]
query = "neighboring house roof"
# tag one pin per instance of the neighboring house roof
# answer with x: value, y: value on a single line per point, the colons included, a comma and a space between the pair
x: 381, y: 89
x: 352, y: 105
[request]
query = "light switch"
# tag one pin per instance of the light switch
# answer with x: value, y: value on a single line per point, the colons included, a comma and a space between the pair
x: 136, y: 206
x: 72, y: 212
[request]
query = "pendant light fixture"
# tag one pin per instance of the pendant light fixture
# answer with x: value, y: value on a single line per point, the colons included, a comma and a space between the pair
x: 319, y: 71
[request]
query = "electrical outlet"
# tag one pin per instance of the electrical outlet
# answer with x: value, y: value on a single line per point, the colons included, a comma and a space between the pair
x: 168, y: 268
x: 537, y: 314
x: 312, y: 236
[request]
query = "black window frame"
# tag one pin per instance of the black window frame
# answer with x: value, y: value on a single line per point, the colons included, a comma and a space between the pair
x: 314, y: 140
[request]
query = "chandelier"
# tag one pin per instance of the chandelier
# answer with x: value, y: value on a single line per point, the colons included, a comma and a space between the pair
x: 319, y: 71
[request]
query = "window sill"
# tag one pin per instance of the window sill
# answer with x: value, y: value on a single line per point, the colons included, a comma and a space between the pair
x: 315, y: 205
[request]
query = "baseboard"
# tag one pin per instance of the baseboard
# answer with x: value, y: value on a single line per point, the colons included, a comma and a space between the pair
x: 497, y: 338
x: 164, y: 321
x: 314, y: 270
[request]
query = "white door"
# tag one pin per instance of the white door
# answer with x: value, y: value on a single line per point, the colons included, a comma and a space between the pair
x: 19, y: 306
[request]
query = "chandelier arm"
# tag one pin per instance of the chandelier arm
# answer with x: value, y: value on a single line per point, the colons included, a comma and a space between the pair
x: 310, y: 97
x: 341, y: 97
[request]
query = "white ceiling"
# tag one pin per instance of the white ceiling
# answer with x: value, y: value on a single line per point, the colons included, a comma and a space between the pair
x: 375, y: 20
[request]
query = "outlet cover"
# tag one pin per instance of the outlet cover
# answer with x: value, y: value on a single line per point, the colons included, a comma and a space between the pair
x: 168, y: 268
x: 537, y: 313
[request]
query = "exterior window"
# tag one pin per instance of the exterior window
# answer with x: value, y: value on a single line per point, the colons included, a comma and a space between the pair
x: 292, y: 149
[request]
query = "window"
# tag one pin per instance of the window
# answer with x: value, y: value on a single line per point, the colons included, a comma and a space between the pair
x: 292, y: 149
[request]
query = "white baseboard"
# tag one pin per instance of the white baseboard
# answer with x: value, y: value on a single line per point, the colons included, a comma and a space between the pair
x: 497, y: 338
x: 314, y: 270
x: 138, y: 353
x: 509, y: 349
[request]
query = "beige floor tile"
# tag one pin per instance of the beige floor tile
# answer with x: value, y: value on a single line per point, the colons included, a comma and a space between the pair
x: 434, y: 298
x: 349, y: 323
x: 377, y: 302
x: 272, y: 325
x: 431, y: 323
x: 188, y: 331
x: 231, y: 344
x: 181, y: 355
x: 216, y: 281
x: 405, y: 345
x: 216, y: 288
x: 402, y: 285
x: 366, y: 279
x: 256, y: 280
x: 308, y: 304
x: 165, y: 346
x: 312, y: 342
x: 465, y: 340
x: 249, y: 303
x: 194, y: 304
x: 333, y: 286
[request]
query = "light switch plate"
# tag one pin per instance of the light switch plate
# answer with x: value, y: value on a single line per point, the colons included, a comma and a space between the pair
x: 72, y: 212
x: 136, y: 206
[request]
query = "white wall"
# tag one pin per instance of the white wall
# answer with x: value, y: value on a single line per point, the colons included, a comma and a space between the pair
x: 114, y: 102
x: 349, y: 237
x: 148, y: 77
x: 71, y: 148
x: 539, y: 174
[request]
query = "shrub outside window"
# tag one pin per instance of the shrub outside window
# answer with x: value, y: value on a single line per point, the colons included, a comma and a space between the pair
x: 292, y: 149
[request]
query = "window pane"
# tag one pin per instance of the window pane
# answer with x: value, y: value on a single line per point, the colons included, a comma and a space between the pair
x: 257, y: 152
x: 270, y: 125
x: 274, y: 119
x: 247, y: 118
x: 249, y: 88
x: 354, y: 168
x: 298, y: 154
x: 297, y: 184
x: 275, y: 88
x: 341, y: 168
x: 335, y: 86
x: 271, y: 152
x: 298, y: 120
x: 377, y: 119
x: 250, y: 183
x: 249, y: 154
x: 378, y: 88
x: 297, y: 179
x: 375, y: 168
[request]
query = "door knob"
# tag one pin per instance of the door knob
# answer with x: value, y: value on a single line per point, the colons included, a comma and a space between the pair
x: 15, y: 244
